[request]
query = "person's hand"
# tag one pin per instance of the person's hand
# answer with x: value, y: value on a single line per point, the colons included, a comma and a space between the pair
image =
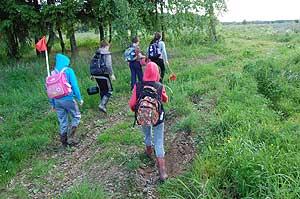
x: 113, y: 77
x: 81, y: 103
x: 52, y: 109
x: 92, y: 77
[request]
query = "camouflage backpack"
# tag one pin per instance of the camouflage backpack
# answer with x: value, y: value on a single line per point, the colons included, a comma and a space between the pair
x: 149, y: 109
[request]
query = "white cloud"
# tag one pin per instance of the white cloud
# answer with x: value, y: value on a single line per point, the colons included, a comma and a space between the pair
x: 250, y: 10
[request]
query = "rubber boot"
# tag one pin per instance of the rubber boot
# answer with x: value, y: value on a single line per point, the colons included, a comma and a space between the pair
x: 63, y: 139
x: 148, y: 150
x: 72, y: 138
x: 162, y: 169
x: 102, y: 105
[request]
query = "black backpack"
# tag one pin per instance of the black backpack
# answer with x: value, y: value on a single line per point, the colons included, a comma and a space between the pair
x: 149, y: 109
x: 153, y: 50
x: 97, y: 64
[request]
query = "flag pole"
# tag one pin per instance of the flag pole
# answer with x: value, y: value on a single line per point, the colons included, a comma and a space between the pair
x: 46, y: 54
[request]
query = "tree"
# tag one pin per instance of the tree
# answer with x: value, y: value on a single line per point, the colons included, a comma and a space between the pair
x: 17, y: 17
x: 105, y: 13
x: 212, y: 7
x: 71, y: 12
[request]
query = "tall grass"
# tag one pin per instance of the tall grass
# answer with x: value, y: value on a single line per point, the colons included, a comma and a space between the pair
x: 239, y: 98
x: 27, y: 127
x: 250, y: 141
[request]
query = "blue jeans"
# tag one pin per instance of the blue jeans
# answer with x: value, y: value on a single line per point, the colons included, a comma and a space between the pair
x: 63, y: 109
x: 136, y: 70
x: 158, y: 138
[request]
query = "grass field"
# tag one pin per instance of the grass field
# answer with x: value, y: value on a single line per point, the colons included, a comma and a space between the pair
x: 239, y: 99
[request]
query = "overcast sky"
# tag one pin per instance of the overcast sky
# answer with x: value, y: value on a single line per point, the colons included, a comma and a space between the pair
x: 251, y: 10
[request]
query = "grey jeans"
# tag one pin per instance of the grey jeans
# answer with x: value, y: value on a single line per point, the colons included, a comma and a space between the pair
x: 158, y: 138
x: 63, y: 109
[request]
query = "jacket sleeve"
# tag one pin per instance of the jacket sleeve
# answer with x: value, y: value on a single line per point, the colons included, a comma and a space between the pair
x: 74, y: 84
x: 132, y: 102
x: 163, y: 51
x: 108, y: 63
x: 164, y: 96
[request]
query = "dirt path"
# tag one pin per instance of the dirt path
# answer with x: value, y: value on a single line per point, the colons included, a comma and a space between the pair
x: 69, y: 170
x: 180, y: 151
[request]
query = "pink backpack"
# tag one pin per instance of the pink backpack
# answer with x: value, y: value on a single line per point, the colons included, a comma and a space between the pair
x: 57, y: 84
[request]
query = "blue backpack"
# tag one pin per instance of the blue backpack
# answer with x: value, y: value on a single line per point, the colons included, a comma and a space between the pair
x: 129, y: 54
x: 153, y: 50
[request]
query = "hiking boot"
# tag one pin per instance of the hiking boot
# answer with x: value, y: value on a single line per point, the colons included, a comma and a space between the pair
x: 72, y: 139
x: 162, y: 169
x: 102, y: 105
x: 148, y: 150
x: 63, y: 139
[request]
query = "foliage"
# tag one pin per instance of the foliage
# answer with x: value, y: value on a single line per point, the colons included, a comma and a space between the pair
x: 237, y: 97
x: 23, y: 21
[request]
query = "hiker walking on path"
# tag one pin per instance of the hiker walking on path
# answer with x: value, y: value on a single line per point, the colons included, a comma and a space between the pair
x: 103, y: 73
x: 156, y: 52
x: 66, y: 105
x: 146, y: 102
x: 133, y: 55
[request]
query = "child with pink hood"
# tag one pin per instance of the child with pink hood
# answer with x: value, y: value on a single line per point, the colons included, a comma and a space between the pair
x: 151, y: 77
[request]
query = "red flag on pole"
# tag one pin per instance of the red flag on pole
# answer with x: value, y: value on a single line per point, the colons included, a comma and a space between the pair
x: 41, y: 45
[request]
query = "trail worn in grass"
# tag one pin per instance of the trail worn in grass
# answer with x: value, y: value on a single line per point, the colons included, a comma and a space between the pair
x: 68, y: 168
x: 96, y: 164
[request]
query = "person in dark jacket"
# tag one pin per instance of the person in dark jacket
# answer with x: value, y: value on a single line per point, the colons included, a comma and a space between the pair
x: 104, y: 79
x: 162, y: 60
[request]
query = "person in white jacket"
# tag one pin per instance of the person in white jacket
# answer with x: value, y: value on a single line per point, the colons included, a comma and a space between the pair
x: 156, y: 52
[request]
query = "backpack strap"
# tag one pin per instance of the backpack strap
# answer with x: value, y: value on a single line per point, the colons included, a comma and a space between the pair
x: 63, y: 70
x: 139, y: 88
x: 56, y: 71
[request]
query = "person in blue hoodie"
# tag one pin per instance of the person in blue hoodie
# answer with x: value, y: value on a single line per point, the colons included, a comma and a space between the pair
x: 67, y: 105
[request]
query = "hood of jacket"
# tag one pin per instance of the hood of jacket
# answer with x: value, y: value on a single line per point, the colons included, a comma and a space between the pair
x: 61, y: 61
x: 151, y: 72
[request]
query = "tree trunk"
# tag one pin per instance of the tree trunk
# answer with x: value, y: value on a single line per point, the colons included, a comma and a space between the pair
x: 62, y: 43
x: 156, y: 26
x: 110, y: 32
x: 13, y: 44
x: 162, y: 20
x: 101, y: 32
x: 51, y: 38
x: 73, y: 42
x: 212, y: 24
